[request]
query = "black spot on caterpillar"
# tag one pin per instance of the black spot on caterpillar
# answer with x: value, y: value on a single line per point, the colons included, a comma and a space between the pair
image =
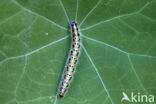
x: 71, y: 61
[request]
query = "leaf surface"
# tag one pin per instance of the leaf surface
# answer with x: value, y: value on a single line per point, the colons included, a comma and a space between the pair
x: 118, y: 51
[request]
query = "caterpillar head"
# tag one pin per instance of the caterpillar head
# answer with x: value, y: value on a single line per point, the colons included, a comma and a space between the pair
x: 73, y: 23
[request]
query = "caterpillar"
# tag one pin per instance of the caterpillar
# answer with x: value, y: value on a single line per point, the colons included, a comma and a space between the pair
x: 71, y: 61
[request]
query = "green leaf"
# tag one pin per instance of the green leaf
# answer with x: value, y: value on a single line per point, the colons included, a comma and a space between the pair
x: 118, y: 51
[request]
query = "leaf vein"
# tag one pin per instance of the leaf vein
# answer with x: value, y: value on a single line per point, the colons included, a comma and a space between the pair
x: 90, y: 12
x: 64, y: 10
x: 32, y: 12
x: 118, y: 49
x: 132, y: 67
x: 8, y: 18
x: 77, y: 6
x: 107, y: 20
x: 34, y: 51
x: 104, y: 86
x: 21, y: 76
x: 148, y: 18
x: 119, y: 16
